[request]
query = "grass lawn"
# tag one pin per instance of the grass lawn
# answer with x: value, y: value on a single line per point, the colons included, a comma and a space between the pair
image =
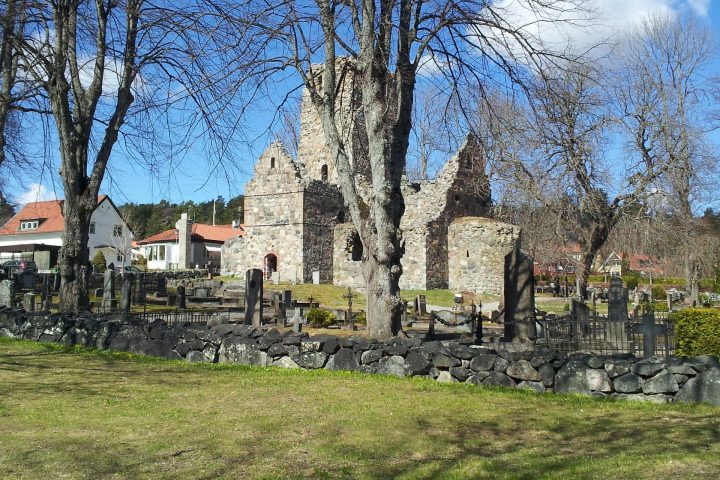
x: 331, y: 296
x: 70, y: 414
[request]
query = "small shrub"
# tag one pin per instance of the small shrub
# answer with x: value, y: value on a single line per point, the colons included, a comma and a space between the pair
x: 361, y: 318
x: 319, y: 318
x: 659, y: 307
x: 697, y: 331
x: 98, y: 262
x: 632, y: 282
x: 658, y: 292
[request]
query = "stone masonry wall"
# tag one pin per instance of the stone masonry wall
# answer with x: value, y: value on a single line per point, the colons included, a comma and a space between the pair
x: 322, y: 205
x: 662, y: 380
x: 476, y: 253
x: 273, y: 219
x: 346, y: 272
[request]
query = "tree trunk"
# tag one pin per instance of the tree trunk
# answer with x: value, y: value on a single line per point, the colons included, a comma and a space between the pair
x: 74, y: 256
x: 383, y: 299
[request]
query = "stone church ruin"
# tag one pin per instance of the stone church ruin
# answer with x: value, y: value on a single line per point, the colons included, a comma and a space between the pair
x: 297, y: 229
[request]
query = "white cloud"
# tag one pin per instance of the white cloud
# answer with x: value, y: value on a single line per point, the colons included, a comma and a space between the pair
x: 36, y: 192
x: 583, y: 31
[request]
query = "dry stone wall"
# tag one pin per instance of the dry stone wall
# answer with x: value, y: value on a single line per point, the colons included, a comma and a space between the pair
x: 476, y: 253
x: 662, y: 380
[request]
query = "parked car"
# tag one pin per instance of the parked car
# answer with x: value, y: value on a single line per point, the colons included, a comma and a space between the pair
x: 128, y: 269
x: 13, y: 268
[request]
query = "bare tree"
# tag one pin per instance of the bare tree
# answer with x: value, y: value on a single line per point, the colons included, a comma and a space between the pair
x: 471, y: 44
x: 113, y: 68
x: 663, y: 95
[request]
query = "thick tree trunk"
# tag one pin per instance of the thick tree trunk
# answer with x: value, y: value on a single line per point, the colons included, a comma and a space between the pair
x: 383, y: 299
x: 74, y: 255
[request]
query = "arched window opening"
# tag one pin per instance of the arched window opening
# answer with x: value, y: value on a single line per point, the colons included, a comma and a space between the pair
x: 341, y: 216
x: 270, y: 265
x: 467, y: 253
x: 272, y: 162
x: 324, y: 173
x: 357, y: 248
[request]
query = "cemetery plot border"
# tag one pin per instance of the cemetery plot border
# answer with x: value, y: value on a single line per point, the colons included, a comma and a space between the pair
x: 601, y: 335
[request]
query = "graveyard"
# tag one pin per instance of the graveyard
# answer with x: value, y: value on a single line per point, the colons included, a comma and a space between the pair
x: 73, y: 413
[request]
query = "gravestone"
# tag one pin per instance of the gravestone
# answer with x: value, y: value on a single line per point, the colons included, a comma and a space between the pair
x: 202, y: 292
x: 180, y: 302
x: 617, y: 301
x: 279, y: 306
x: 669, y: 302
x: 127, y: 291
x: 581, y: 313
x: 7, y: 293
x: 420, y: 305
x: 56, y: 282
x: 519, y: 297
x: 275, y: 278
x: 161, y: 289
x: 29, y: 302
x: 45, y: 293
x: 253, y: 297
x: 316, y: 277
x: 287, y: 299
x: 141, y: 295
x: 297, y: 320
x: 109, y: 301
x: 170, y: 300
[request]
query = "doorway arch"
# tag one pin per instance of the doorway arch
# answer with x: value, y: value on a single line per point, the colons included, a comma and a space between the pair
x: 270, y: 264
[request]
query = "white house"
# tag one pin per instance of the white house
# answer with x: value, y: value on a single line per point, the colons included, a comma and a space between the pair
x: 36, y: 232
x: 188, y: 245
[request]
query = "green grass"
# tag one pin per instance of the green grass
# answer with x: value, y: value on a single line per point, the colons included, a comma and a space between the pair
x: 331, y: 296
x: 74, y: 414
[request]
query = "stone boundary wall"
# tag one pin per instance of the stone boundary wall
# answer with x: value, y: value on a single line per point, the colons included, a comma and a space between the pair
x: 151, y: 278
x: 662, y: 380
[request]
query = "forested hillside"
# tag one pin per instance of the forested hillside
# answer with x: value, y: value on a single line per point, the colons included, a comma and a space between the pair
x: 146, y: 219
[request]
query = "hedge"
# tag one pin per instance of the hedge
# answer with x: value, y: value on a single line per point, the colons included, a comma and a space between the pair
x: 697, y: 331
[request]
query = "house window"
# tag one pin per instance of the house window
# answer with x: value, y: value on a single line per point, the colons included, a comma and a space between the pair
x: 92, y: 227
x: 117, y: 231
x: 272, y: 162
x: 161, y: 252
x: 29, y: 225
x: 118, y: 258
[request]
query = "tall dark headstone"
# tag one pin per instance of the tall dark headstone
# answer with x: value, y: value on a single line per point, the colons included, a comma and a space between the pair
x: 109, y: 301
x: 29, y: 302
x: 180, y: 302
x: 253, y: 297
x: 280, y: 309
x: 287, y: 299
x: 127, y: 291
x: 141, y: 291
x: 161, y: 290
x: 56, y: 282
x: 617, y: 301
x: 45, y: 293
x: 519, y: 297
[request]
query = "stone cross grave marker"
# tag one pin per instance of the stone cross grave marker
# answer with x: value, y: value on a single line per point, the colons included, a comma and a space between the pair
x: 109, y: 302
x: 349, y: 319
x: 298, y: 320
x: 253, y: 297
x: 7, y: 293
x: 650, y: 332
x: 617, y: 301
x: 420, y: 305
x: 29, y: 302
x: 180, y: 301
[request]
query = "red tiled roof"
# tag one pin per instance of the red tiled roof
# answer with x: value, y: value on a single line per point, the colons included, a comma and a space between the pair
x: 48, y: 212
x: 201, y: 232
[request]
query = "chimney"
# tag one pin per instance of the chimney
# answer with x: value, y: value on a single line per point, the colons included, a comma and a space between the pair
x: 184, y: 228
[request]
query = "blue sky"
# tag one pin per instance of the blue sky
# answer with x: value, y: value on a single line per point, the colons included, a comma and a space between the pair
x: 193, y: 176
